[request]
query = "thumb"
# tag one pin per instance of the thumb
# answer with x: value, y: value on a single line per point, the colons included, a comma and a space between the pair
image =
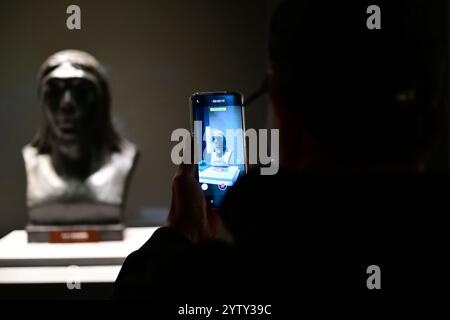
x: 189, y: 168
x: 186, y: 169
x: 212, y: 224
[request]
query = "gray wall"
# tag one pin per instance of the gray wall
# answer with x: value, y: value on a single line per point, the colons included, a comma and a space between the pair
x: 157, y: 53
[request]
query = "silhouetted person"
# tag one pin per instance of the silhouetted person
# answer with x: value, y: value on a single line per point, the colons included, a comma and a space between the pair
x: 360, y: 112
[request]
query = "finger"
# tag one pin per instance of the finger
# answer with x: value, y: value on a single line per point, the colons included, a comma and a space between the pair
x: 172, y: 212
x: 213, y: 223
x: 188, y: 167
x: 195, y: 155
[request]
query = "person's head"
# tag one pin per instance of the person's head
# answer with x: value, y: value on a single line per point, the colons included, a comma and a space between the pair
x: 75, y: 99
x: 355, y: 96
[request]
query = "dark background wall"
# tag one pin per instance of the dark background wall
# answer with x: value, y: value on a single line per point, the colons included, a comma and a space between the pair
x: 157, y: 54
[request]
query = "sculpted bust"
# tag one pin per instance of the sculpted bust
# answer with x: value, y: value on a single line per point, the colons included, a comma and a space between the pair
x: 220, y: 156
x: 77, y: 166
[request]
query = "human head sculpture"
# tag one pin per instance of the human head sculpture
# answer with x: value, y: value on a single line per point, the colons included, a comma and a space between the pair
x: 77, y: 131
x: 219, y: 142
x: 77, y: 166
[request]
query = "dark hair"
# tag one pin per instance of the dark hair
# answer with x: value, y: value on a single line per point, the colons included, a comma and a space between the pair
x: 107, y: 139
x: 364, y: 93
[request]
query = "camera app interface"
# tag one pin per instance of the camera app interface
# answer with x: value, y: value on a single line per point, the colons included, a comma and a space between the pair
x: 218, y: 123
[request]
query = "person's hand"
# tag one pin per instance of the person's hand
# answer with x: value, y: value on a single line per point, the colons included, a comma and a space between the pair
x: 189, y: 214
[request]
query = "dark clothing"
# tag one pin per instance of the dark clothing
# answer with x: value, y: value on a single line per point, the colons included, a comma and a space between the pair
x: 306, y: 235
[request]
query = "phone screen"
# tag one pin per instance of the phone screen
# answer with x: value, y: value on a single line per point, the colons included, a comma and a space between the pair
x: 218, y: 128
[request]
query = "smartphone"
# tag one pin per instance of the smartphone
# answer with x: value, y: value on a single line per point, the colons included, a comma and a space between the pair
x: 218, y: 129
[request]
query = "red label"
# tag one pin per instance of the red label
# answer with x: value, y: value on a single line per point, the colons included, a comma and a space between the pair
x: 74, y: 236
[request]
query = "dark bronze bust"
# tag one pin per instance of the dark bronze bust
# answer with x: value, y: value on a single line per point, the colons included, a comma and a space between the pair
x: 77, y: 165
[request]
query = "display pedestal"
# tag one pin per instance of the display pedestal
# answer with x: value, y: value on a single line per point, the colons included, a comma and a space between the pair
x: 47, y: 270
x: 80, y: 233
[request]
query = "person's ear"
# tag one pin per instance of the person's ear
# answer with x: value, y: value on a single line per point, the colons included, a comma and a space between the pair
x: 280, y: 109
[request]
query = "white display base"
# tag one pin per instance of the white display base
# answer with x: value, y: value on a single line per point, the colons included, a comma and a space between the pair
x: 23, y: 262
x: 217, y: 175
x: 35, y: 275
